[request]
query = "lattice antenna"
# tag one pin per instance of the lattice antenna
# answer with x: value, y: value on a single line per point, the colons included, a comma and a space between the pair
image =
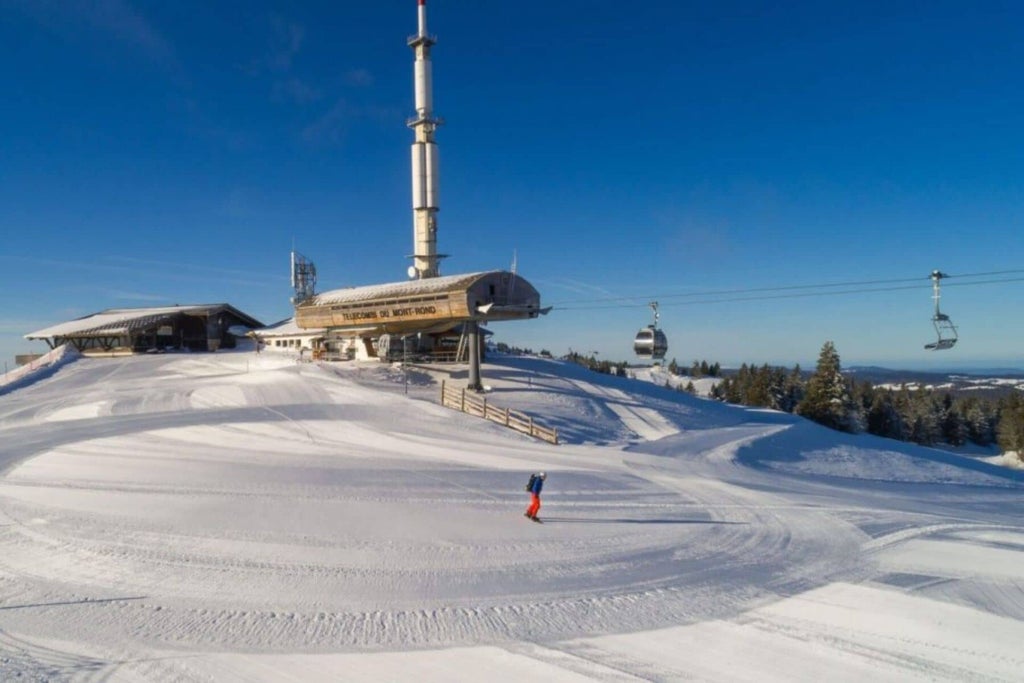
x: 303, y: 278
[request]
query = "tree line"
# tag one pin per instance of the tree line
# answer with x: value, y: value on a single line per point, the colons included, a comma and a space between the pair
x: 835, y: 400
x: 921, y: 416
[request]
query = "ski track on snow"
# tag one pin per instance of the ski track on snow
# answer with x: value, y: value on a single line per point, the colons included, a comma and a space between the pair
x: 328, y: 535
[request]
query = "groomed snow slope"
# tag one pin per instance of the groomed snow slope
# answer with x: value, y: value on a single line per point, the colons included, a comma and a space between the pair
x: 238, y: 517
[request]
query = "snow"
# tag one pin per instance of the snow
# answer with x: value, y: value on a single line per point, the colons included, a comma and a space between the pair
x: 431, y: 285
x: 236, y: 517
x: 961, y: 383
x: 658, y: 374
x: 42, y: 366
x: 918, y: 386
x: 1009, y: 459
x: 284, y: 328
x: 998, y: 381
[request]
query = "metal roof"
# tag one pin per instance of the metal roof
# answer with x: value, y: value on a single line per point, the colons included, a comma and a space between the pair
x: 117, y: 321
x: 430, y: 285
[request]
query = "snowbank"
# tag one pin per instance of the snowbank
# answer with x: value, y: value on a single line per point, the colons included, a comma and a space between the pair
x: 38, y: 369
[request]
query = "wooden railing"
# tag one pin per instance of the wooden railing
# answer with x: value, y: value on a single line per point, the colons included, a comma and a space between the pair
x: 468, y: 402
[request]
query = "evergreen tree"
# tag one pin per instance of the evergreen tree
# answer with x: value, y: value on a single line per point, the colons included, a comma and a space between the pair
x: 927, y: 415
x: 882, y: 417
x: 792, y: 390
x: 924, y: 429
x: 776, y: 388
x: 977, y: 417
x: 758, y: 391
x: 863, y: 395
x: 1011, y: 423
x: 718, y: 390
x: 904, y: 404
x: 954, y: 429
x: 828, y: 401
x: 734, y: 389
x: 728, y: 390
x: 740, y: 386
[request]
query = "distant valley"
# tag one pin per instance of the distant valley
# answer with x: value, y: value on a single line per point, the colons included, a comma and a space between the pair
x: 989, y: 383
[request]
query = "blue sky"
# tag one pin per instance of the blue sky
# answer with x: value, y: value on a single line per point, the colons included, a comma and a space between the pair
x: 161, y: 153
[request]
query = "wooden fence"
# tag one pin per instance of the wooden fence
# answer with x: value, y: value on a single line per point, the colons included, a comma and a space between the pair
x: 467, y: 402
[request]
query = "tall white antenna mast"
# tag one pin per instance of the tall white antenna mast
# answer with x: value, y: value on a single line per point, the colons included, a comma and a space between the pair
x: 425, y: 159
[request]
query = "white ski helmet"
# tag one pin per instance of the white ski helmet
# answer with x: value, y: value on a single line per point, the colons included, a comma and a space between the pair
x: 542, y: 475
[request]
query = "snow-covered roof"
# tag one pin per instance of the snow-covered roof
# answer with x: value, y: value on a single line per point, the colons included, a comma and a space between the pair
x: 431, y: 285
x: 116, y: 321
x: 286, y: 328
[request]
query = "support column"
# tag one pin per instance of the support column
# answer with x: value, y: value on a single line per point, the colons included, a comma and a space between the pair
x: 473, y: 339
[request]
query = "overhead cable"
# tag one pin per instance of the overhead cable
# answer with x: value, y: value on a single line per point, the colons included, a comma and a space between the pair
x: 791, y: 292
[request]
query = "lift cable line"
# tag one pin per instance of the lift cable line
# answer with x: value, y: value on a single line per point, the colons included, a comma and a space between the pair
x: 736, y: 291
x: 785, y: 292
x: 766, y: 297
x: 983, y: 282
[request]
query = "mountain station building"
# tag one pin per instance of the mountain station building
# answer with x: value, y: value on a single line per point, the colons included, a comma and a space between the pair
x: 202, y: 327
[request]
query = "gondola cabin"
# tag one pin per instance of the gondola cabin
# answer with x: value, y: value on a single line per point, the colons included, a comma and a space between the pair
x: 650, y: 342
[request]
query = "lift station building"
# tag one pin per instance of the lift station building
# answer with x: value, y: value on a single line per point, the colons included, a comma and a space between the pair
x: 435, y: 310
x: 202, y: 327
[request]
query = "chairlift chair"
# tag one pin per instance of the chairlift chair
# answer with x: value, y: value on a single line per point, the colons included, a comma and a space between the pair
x: 944, y: 327
x: 650, y: 342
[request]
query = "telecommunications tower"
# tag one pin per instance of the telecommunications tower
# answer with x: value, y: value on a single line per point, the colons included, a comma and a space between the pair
x: 425, y: 175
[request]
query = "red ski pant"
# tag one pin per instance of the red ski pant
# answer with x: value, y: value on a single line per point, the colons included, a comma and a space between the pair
x: 534, y: 507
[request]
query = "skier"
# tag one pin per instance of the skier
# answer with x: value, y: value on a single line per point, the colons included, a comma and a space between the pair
x: 534, y: 487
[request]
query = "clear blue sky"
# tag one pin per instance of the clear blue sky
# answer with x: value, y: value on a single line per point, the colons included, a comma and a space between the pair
x: 170, y: 152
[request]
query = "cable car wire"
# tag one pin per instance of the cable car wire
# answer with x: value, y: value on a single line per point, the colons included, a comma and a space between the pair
x: 792, y: 292
x: 743, y: 291
x: 984, y: 282
x: 991, y: 272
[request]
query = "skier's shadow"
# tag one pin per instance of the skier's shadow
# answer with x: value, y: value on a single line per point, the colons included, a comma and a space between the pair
x: 621, y: 520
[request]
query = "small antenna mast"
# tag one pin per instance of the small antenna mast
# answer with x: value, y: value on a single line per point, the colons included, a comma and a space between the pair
x: 303, y: 278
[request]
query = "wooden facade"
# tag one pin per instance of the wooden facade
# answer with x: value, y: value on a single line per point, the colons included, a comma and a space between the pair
x: 428, y: 305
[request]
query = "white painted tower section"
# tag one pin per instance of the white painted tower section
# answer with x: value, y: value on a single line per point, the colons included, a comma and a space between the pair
x: 425, y: 166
